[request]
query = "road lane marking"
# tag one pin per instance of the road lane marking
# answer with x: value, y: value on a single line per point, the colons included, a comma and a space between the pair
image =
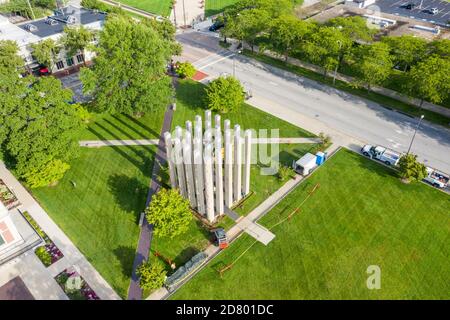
x: 216, y: 61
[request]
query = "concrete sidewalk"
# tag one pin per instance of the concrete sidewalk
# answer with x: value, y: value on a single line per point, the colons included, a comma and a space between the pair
x: 109, y: 143
x: 72, y: 256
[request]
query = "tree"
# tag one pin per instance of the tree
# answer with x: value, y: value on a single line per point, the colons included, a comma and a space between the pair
x: 355, y: 28
x: 10, y: 61
x: 326, y: 47
x: 129, y: 72
x: 40, y: 134
x: 430, y: 80
x: 46, y: 174
x: 287, y: 34
x: 406, y: 50
x: 410, y: 168
x: 285, y: 172
x: 169, y: 213
x: 45, y: 51
x: 185, y: 70
x: 373, y: 63
x: 440, y: 47
x: 151, y: 275
x: 76, y: 39
x: 224, y: 94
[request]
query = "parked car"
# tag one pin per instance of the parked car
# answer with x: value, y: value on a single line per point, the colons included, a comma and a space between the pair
x: 409, y: 6
x: 216, y: 25
x: 433, y: 11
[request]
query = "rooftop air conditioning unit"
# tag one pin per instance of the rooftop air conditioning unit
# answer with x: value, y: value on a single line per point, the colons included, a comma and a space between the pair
x: 71, y: 19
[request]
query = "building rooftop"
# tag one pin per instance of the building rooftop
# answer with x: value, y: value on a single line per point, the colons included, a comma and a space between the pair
x: 9, y: 31
x: 55, y: 24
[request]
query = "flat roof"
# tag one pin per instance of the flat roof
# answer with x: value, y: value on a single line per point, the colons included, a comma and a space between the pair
x: 9, y: 31
x: 83, y: 17
x: 15, y: 289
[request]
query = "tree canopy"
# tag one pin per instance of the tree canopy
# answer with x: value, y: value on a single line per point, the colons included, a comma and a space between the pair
x: 169, y: 213
x: 45, y: 51
x: 406, y: 50
x: 430, y: 79
x: 354, y: 27
x: 76, y: 39
x: 151, y: 275
x: 224, y: 94
x: 129, y: 72
x: 410, y: 168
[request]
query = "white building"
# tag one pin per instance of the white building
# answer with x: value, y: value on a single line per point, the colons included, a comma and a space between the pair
x: 359, y: 3
x: 52, y: 27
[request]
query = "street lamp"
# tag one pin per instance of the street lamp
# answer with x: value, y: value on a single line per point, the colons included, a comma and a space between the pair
x: 415, y: 131
x: 337, y: 64
x: 234, y: 63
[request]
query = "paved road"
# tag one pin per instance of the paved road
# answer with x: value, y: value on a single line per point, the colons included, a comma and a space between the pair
x: 353, y: 117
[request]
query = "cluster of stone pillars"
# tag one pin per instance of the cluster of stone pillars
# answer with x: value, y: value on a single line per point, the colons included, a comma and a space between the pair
x: 211, y: 173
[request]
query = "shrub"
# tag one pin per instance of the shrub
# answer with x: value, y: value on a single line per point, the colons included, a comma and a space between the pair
x: 410, y: 168
x: 285, y: 173
x: 325, y: 140
x: 151, y: 275
x: 185, y: 70
x: 44, y: 255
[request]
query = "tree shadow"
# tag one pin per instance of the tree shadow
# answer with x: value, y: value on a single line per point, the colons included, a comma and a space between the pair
x: 185, y: 255
x: 148, y: 129
x: 191, y: 95
x: 128, y: 191
x: 125, y: 255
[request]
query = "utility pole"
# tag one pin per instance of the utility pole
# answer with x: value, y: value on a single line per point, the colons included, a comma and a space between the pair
x: 184, y: 15
x: 174, y: 14
x: 415, y: 131
x: 337, y: 64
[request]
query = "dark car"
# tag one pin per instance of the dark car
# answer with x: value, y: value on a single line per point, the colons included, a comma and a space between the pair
x: 409, y: 6
x: 216, y: 26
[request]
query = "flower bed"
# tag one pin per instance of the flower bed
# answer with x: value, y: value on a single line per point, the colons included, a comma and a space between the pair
x: 8, y: 198
x: 48, y: 253
x: 75, y: 286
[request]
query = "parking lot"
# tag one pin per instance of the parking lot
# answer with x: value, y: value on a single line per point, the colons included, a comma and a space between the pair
x: 422, y: 14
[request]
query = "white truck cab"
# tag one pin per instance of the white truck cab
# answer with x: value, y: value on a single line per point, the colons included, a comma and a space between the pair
x: 382, y: 154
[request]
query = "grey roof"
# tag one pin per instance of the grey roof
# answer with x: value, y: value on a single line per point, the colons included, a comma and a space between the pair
x: 63, y: 16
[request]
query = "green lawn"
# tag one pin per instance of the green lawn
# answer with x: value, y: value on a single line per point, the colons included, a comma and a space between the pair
x: 360, y: 215
x: 101, y: 213
x: 217, y: 6
x: 120, y: 126
x: 361, y: 92
x: 159, y: 7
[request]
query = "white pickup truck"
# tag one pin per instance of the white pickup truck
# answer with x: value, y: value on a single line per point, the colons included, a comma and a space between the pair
x: 382, y: 154
x: 436, y: 178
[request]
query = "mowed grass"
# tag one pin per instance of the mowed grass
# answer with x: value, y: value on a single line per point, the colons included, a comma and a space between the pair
x: 213, y: 7
x: 121, y: 126
x: 98, y: 203
x: 361, y: 215
x: 159, y: 7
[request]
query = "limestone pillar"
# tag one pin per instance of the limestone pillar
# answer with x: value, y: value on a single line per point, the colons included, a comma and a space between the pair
x: 228, y: 170
x: 209, y: 186
x: 226, y: 125
x: 237, y: 182
x: 208, y: 120
x: 180, y: 167
x: 187, y: 158
x: 217, y: 121
x: 198, y: 128
x: 198, y: 176
x: 189, y: 127
x: 219, y: 171
x: 170, y: 159
x: 247, y: 161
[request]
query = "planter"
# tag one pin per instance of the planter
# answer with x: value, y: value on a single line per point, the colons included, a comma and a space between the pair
x: 8, y: 198
x: 75, y: 287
